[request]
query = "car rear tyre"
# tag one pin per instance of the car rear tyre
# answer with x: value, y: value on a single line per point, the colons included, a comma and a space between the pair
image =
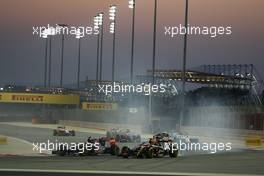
x: 174, y: 154
x: 125, y: 152
x: 54, y: 132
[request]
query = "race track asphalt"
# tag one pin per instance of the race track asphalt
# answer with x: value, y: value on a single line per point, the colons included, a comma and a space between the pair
x: 243, y: 162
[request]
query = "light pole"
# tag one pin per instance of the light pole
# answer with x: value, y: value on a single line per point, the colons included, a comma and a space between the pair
x: 112, y: 17
x: 49, y: 73
x: 51, y: 31
x: 45, y: 36
x: 132, y: 5
x: 78, y: 36
x: 62, y: 52
x: 153, y: 61
x: 184, y: 62
x: 96, y: 28
x: 154, y: 42
x: 101, y: 23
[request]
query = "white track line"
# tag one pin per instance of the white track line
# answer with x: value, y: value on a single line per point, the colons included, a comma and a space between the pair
x: 119, y: 172
x: 28, y: 143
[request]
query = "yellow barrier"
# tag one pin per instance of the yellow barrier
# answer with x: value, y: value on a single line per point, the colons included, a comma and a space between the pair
x: 3, y: 140
x: 253, y: 141
x: 99, y: 106
x: 35, y: 98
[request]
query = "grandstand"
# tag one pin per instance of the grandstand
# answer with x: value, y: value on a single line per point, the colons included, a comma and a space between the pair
x: 232, y: 90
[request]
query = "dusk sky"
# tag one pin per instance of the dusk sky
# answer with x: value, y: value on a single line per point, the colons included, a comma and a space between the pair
x: 22, y: 54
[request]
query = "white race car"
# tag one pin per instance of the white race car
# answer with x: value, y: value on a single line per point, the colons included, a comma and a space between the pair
x: 62, y: 131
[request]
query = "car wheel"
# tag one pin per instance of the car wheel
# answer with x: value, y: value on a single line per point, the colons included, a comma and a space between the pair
x: 125, y: 152
x: 174, y: 154
x: 143, y: 153
x: 115, y: 150
x: 150, y: 153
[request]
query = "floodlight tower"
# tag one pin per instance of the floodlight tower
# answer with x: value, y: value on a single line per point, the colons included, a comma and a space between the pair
x: 78, y: 36
x: 112, y: 18
x: 184, y: 62
x: 132, y: 5
x: 44, y: 34
x: 60, y: 27
x: 96, y: 28
x: 51, y: 31
x: 101, y: 24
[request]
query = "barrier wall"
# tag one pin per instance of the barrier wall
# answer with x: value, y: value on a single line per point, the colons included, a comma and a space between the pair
x: 34, y: 98
x: 99, y: 106
x: 3, y: 140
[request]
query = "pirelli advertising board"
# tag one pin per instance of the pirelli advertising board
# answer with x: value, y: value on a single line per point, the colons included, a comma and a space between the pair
x: 32, y: 98
x: 99, y: 106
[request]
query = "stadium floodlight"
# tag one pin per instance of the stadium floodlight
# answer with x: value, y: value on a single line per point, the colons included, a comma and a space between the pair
x: 112, y: 27
x: 101, y: 24
x: 44, y: 34
x: 131, y: 4
x: 96, y: 23
x: 112, y: 17
x: 112, y: 12
x: 154, y: 42
x: 51, y: 31
x: 96, y: 28
x: 184, y: 63
x: 100, y: 18
x: 78, y: 34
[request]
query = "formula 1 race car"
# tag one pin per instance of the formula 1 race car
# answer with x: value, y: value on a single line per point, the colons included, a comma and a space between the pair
x: 152, y: 149
x: 123, y: 135
x: 97, y: 147
x: 162, y: 137
x: 62, y: 131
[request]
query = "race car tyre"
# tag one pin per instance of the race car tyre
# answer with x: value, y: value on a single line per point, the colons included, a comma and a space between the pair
x: 150, y: 153
x: 73, y: 133
x: 142, y: 153
x: 62, y: 153
x: 114, y: 150
x: 174, y: 154
x: 125, y: 152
